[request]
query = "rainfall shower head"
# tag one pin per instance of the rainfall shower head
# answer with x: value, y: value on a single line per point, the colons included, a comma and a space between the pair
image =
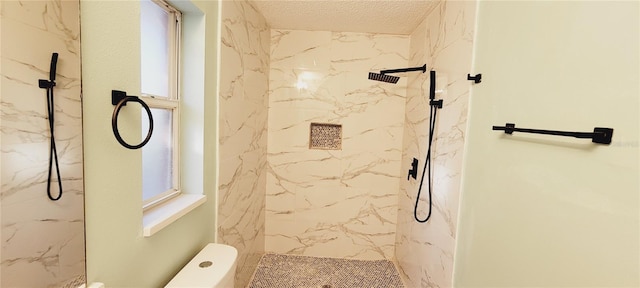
x: 382, y: 76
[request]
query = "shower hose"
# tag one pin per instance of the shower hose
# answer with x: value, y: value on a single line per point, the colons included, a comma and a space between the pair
x: 426, y: 169
x: 434, y: 105
x: 53, y: 152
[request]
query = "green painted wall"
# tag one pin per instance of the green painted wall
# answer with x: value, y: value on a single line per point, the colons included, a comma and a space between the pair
x: 117, y: 254
x: 548, y: 211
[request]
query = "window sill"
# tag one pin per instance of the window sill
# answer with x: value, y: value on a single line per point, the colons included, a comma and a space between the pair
x: 161, y: 216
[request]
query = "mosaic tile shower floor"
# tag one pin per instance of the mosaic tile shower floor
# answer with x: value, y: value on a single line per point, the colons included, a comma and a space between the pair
x: 289, y: 271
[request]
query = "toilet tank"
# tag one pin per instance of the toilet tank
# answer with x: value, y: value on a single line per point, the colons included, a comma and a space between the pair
x: 213, y: 266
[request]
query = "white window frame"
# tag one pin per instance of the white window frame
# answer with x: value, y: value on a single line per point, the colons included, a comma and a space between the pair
x: 171, y: 102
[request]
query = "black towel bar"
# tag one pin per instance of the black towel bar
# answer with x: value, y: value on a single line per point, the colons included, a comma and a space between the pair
x: 599, y: 135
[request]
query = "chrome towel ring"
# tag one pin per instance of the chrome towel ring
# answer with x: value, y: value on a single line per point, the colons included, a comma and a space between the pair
x: 120, y: 98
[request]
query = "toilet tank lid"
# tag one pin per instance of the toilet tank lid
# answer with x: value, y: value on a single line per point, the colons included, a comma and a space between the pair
x: 219, y: 250
x: 207, y: 268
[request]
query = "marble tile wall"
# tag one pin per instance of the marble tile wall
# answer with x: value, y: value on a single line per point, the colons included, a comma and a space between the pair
x: 42, y: 240
x: 243, y: 101
x: 424, y: 251
x: 334, y: 203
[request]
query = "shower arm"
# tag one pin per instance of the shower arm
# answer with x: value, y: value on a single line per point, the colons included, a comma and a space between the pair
x: 422, y: 68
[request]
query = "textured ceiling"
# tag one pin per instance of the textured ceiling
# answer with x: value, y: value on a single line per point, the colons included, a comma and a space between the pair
x: 372, y: 16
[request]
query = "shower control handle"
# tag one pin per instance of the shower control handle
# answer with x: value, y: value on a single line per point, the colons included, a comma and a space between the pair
x: 413, y: 172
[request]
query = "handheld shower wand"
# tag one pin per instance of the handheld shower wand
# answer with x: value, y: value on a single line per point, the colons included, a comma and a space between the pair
x: 53, y: 152
x: 52, y: 68
x: 434, y: 105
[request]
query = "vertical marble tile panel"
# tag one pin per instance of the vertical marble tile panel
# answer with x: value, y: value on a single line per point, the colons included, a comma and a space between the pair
x: 444, y: 41
x: 42, y: 240
x: 243, y: 103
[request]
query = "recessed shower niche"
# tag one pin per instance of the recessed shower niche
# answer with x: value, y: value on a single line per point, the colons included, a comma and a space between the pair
x: 325, y: 136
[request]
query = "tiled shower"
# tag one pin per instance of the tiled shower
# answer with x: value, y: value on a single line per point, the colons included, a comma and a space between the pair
x: 353, y: 202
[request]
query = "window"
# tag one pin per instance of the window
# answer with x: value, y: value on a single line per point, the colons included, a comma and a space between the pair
x: 160, y: 49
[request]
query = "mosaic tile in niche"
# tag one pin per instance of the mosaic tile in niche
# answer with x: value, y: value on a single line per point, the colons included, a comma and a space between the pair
x: 325, y: 136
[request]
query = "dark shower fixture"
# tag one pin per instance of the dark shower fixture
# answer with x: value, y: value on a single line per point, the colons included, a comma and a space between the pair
x: 434, y: 105
x: 53, y: 152
x: 413, y: 172
x: 382, y: 76
x: 476, y: 79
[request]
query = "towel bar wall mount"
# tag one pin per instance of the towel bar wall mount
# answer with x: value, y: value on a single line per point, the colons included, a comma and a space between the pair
x: 120, y: 99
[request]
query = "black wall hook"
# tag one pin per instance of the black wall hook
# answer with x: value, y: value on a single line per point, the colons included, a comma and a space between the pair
x: 476, y: 79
